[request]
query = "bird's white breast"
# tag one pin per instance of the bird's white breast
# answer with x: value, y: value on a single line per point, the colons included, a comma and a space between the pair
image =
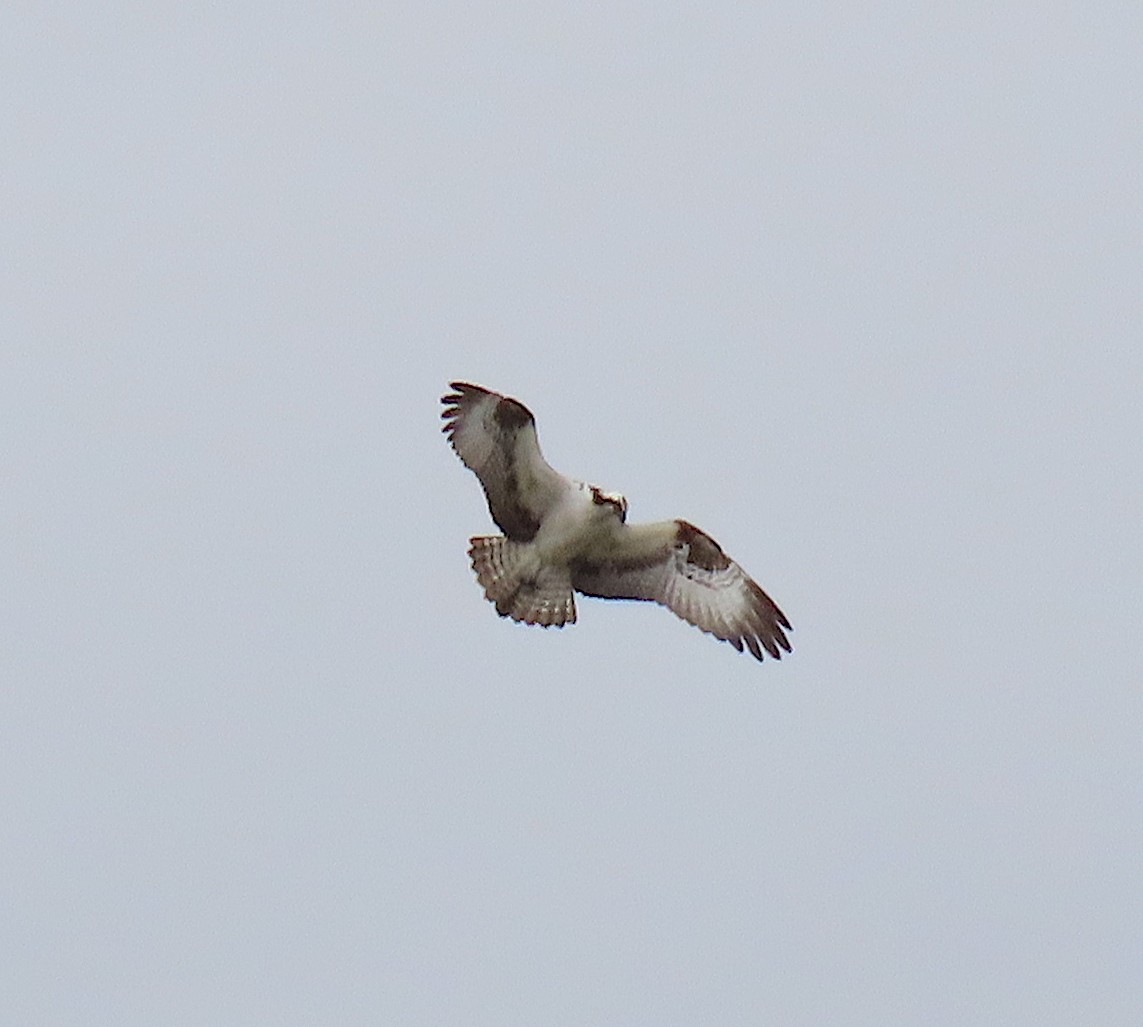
x: 574, y: 525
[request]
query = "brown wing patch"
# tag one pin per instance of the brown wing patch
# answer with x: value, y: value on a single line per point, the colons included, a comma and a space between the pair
x: 512, y: 415
x: 703, y: 551
x: 513, y: 518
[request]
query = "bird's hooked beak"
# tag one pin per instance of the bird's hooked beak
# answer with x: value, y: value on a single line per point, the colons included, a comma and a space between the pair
x: 615, y: 500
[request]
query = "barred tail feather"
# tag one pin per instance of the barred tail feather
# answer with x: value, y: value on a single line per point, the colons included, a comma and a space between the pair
x: 514, y: 580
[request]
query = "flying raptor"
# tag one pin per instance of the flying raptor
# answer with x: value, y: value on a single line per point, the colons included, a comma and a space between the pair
x: 563, y: 536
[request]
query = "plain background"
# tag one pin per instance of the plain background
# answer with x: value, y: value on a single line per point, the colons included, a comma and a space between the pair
x: 855, y: 287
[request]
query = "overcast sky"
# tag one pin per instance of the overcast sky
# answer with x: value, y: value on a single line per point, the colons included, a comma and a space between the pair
x: 856, y: 288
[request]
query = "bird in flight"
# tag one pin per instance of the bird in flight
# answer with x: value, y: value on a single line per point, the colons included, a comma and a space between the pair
x: 563, y: 536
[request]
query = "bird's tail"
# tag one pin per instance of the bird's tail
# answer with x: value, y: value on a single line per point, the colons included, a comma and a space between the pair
x: 520, y: 586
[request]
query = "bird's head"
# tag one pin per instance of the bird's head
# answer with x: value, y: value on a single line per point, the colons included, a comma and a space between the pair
x: 612, y: 499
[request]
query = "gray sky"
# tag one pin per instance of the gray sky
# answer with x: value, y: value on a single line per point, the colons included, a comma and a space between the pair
x: 858, y: 290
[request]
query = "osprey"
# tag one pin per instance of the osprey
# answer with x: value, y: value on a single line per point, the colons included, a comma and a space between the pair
x: 563, y: 536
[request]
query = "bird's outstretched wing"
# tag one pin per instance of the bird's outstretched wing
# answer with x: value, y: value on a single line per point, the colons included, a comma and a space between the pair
x: 682, y: 567
x: 495, y: 436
